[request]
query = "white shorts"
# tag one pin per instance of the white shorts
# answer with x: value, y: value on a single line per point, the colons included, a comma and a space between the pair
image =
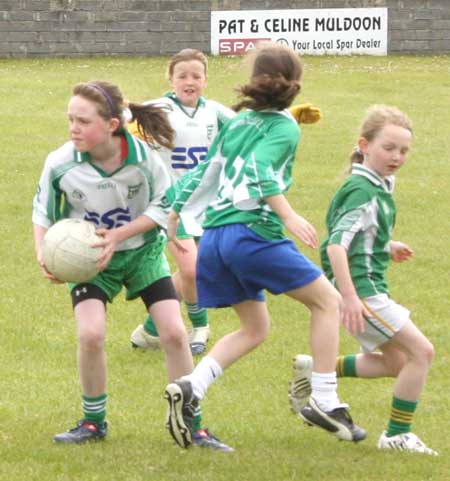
x: 386, y: 318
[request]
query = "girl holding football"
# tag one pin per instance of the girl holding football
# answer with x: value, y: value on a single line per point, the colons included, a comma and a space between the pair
x: 107, y: 176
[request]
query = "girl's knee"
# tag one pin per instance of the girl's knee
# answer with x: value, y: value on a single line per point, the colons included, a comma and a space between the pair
x: 428, y: 352
x: 173, y: 335
x: 257, y: 336
x: 329, y: 301
x: 91, y: 340
x: 187, y: 274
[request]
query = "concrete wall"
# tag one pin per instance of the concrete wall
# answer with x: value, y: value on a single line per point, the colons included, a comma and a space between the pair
x: 70, y: 28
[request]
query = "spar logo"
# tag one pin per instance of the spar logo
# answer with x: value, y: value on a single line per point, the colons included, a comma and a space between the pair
x: 238, y: 46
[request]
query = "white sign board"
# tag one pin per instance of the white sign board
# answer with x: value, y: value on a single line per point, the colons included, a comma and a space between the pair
x: 313, y: 31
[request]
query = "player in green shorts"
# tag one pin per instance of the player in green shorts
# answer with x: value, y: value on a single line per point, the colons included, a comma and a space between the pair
x: 356, y: 255
x: 118, y: 182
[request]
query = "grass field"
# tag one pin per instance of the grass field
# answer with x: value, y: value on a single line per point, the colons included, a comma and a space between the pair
x: 39, y: 389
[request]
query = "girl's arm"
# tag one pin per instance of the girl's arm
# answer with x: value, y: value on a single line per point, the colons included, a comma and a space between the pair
x: 352, y: 308
x: 39, y: 232
x: 294, y: 223
x: 113, y: 237
x: 400, y: 251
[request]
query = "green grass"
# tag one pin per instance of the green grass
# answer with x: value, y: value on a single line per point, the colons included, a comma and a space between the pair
x: 39, y: 390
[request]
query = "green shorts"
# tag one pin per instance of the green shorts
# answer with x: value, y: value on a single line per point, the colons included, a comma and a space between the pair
x: 135, y: 269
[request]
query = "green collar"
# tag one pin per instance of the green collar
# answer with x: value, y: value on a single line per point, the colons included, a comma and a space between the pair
x: 376, y: 179
x: 133, y: 157
x: 200, y: 103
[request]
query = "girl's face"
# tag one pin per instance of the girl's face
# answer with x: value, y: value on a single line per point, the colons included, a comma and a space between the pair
x: 188, y: 81
x: 87, y: 128
x: 387, y: 152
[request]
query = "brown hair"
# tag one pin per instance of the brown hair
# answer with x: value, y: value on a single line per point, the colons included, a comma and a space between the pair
x: 377, y: 117
x: 151, y: 120
x: 186, y: 55
x: 275, y: 78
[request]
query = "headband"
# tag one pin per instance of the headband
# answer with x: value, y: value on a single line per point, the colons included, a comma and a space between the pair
x: 106, y: 96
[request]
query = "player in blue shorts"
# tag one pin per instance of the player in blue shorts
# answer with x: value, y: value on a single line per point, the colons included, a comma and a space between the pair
x: 195, y: 121
x: 355, y: 255
x: 240, y: 190
x: 118, y: 182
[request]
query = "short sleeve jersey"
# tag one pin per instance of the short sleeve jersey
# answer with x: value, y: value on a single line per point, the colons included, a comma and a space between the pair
x: 195, y: 130
x: 361, y: 218
x: 250, y: 159
x: 72, y: 187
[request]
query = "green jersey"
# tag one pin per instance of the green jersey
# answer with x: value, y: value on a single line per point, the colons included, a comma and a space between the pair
x: 361, y: 218
x: 251, y: 158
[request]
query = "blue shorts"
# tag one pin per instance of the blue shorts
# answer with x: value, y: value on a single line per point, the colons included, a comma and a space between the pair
x: 235, y: 264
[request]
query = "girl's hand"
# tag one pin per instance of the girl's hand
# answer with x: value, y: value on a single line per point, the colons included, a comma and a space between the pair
x: 172, y: 228
x: 400, y: 251
x: 302, y: 229
x: 48, y: 275
x: 108, y: 242
x: 353, y: 312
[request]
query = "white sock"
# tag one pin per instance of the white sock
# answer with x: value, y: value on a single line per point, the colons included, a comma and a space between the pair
x: 324, y: 387
x: 205, y: 373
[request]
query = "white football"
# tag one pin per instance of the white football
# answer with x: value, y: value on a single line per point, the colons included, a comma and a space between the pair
x: 67, y: 250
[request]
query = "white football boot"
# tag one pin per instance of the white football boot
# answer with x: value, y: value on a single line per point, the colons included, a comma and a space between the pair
x: 404, y: 442
x: 198, y: 338
x: 140, y: 338
x: 300, y: 386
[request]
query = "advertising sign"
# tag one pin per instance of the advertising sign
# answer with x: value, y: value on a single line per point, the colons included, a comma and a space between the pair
x: 314, y: 31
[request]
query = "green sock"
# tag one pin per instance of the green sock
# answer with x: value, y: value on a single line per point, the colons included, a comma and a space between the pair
x: 197, y: 315
x: 197, y: 424
x: 346, y: 366
x: 150, y: 327
x: 94, y: 408
x: 402, y: 413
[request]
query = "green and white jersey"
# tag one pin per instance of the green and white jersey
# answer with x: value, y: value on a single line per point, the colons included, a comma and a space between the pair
x: 195, y: 129
x: 251, y: 158
x: 71, y: 186
x: 361, y: 218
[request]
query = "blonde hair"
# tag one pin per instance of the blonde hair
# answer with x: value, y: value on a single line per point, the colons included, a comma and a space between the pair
x: 186, y: 55
x: 377, y: 117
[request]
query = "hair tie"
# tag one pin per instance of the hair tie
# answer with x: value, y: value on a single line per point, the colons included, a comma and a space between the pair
x: 106, y: 96
x: 357, y: 150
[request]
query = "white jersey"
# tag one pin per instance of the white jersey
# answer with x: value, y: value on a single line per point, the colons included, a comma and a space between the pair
x: 195, y: 130
x: 72, y: 187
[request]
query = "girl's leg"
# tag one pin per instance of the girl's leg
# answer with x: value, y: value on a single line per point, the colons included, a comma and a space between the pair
x: 184, y: 280
x: 254, y: 329
x: 186, y: 262
x: 387, y: 363
x: 323, y: 408
x: 255, y: 323
x: 323, y: 301
x: 419, y: 354
x: 173, y: 336
x: 184, y: 394
x: 146, y: 336
x: 90, y: 317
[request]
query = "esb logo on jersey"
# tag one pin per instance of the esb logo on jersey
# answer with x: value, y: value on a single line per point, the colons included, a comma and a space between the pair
x: 238, y: 46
